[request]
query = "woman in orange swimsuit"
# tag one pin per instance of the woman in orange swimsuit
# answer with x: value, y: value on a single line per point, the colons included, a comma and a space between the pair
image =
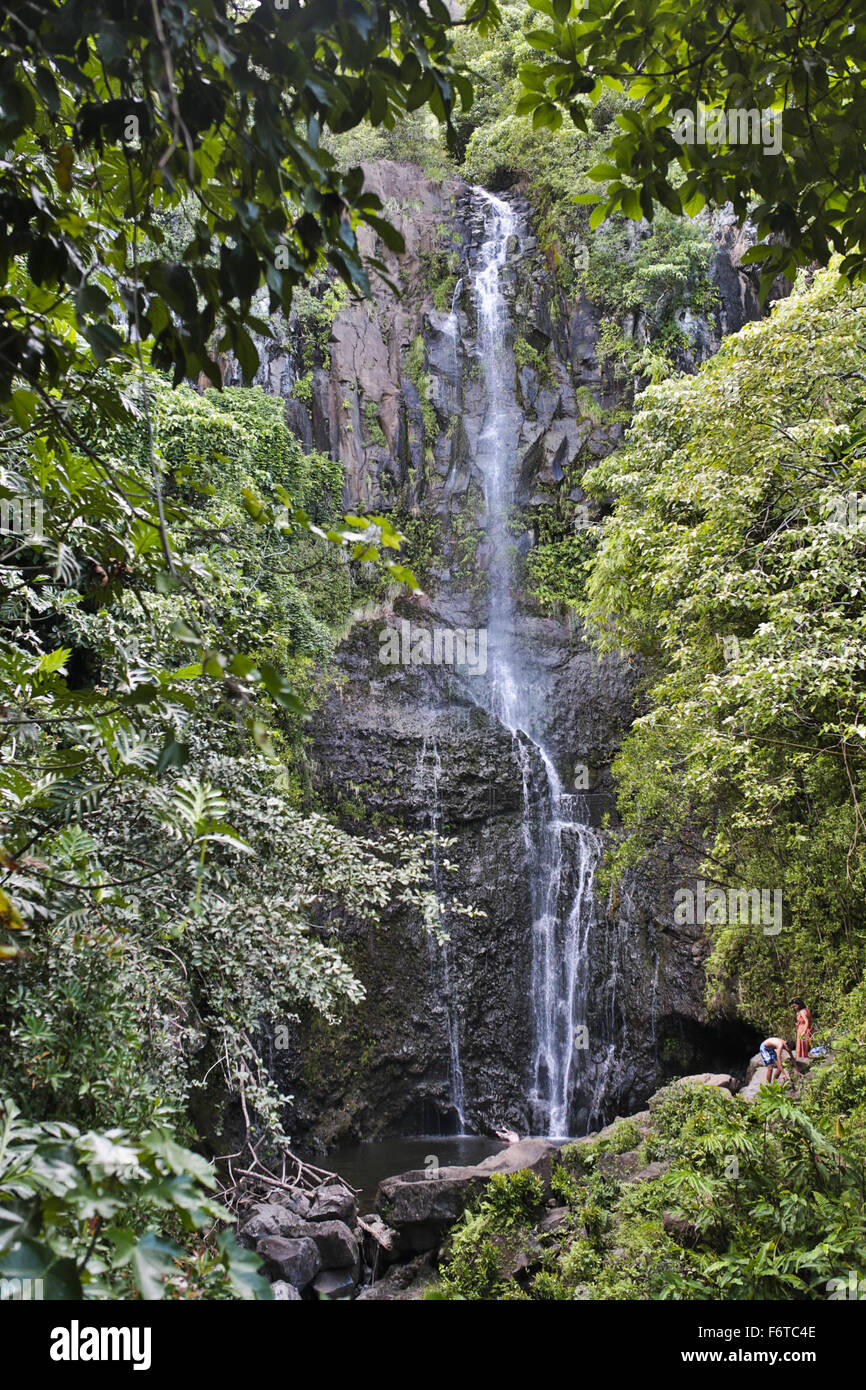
x: 804, y: 1028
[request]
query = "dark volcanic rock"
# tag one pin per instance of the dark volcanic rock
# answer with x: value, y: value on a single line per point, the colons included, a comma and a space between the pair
x: 284, y: 1292
x: 334, y: 1203
x: 532, y: 1155
x: 334, y: 1241
x: 269, y: 1219
x: 553, y: 1220
x: 422, y: 1208
x: 296, y: 1261
x: 337, y: 1247
x: 334, y: 1283
x: 405, y: 1282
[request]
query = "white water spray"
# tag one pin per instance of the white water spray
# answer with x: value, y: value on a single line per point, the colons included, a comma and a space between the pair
x: 562, y: 850
x: 427, y: 778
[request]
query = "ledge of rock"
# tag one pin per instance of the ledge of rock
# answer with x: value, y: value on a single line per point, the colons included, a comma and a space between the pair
x: 719, y: 1079
x: 535, y: 1154
x: 757, y: 1074
x: 421, y: 1207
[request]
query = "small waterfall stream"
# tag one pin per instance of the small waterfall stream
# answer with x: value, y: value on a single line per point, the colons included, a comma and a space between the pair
x: 562, y: 850
x: 440, y: 954
x: 452, y: 331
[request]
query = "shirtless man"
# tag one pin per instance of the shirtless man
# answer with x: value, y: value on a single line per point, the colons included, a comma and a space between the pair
x: 771, y: 1050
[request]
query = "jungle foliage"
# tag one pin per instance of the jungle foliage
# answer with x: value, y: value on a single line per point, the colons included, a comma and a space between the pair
x: 705, y: 1197
x: 733, y: 565
x: 801, y: 64
x: 174, y: 572
x: 177, y: 178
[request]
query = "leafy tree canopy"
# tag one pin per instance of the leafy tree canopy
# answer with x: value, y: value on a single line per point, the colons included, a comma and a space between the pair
x: 803, y: 62
x: 110, y: 117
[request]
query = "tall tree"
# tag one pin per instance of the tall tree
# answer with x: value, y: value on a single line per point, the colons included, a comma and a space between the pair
x: 111, y: 116
x: 733, y: 563
x: 802, y: 64
x: 161, y: 164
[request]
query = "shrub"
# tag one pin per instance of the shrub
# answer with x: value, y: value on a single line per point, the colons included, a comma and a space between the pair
x: 525, y: 355
x: 511, y: 1199
x: 64, y: 1193
x: 546, y: 1286
x: 470, y: 1267
x: 375, y: 433
x: 416, y: 371
x: 625, y: 1137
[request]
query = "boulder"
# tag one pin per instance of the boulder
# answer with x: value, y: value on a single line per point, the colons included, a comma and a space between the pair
x: 755, y: 1064
x: 404, y: 1282
x: 720, y: 1080
x: 422, y: 1207
x: 758, y: 1068
x: 337, y: 1247
x: 284, y: 1292
x: 519, y: 1254
x: 334, y: 1203
x: 334, y: 1283
x: 626, y: 1167
x: 296, y: 1261
x: 750, y: 1091
x: 642, y: 1119
x: 652, y: 1170
x: 296, y: 1201
x: 269, y: 1219
x: 537, y: 1155
x: 681, y: 1230
x: 753, y: 1086
x: 620, y: 1166
x: 524, y: 1262
x: 553, y: 1220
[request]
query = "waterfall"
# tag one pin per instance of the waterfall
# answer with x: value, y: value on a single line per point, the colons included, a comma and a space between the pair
x: 562, y: 850
x: 427, y: 781
x: 452, y: 331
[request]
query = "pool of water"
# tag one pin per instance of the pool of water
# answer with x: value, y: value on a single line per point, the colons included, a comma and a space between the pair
x: 365, y: 1165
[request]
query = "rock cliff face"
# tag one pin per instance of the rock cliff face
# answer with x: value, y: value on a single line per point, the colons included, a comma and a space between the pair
x: 402, y: 404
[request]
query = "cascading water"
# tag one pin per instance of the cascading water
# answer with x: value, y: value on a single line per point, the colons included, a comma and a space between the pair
x: 452, y: 332
x: 428, y: 776
x: 562, y: 850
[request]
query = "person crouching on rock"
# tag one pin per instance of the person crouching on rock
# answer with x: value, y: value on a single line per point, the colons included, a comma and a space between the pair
x: 771, y: 1050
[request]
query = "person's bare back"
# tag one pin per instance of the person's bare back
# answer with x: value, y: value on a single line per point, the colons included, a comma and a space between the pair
x: 771, y: 1050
